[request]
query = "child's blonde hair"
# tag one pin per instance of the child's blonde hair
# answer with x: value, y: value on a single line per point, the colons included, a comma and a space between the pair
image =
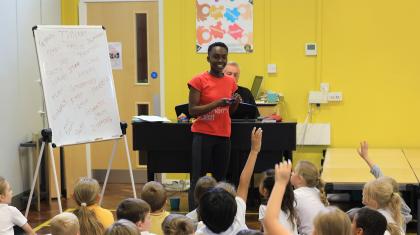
x: 332, y: 221
x: 122, y: 227
x: 65, y: 224
x: 308, y: 171
x: 382, y: 192
x: 392, y: 181
x: 155, y: 195
x: 3, y: 185
x: 393, y: 229
x: 86, y: 192
x: 175, y: 224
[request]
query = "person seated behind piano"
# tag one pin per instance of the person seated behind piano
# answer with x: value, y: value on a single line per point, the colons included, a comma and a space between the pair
x: 232, y: 69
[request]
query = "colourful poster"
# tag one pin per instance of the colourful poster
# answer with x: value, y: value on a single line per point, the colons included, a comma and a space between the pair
x: 228, y: 21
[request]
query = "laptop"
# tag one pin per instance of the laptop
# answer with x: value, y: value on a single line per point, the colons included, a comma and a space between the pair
x: 256, y: 85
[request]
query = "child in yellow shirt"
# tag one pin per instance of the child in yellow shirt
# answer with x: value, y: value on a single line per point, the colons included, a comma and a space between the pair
x: 155, y: 195
x: 93, y: 219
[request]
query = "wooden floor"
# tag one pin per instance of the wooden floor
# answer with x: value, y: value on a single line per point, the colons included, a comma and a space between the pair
x: 117, y: 192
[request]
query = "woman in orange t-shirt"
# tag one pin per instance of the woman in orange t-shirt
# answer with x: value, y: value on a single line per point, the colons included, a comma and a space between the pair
x: 211, y: 101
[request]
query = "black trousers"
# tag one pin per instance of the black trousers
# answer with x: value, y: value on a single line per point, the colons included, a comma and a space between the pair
x: 209, y: 154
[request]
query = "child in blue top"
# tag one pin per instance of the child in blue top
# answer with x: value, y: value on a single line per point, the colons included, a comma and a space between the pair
x: 376, y: 171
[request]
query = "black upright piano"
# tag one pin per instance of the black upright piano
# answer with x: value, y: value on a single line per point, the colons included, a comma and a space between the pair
x: 168, y: 146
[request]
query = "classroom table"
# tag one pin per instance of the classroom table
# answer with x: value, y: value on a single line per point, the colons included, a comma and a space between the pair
x: 413, y: 157
x: 345, y: 170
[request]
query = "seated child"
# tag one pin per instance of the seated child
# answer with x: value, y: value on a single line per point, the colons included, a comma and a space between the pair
x: 155, y: 195
x: 93, y: 219
x: 175, y: 224
x: 329, y: 221
x: 221, y: 212
x: 271, y: 222
x: 136, y: 211
x: 203, y: 184
x: 287, y: 216
x: 379, y: 195
x: 65, y: 223
x: 309, y: 194
x: 122, y: 227
x: 10, y: 215
x: 218, y: 209
x: 376, y: 171
x: 332, y: 221
x: 368, y: 222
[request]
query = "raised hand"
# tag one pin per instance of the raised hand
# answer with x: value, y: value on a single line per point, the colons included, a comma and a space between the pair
x: 256, y: 137
x: 363, y: 150
x: 282, y: 172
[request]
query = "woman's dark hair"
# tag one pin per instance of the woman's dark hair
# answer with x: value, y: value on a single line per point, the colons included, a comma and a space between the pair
x: 288, y: 202
x: 217, y: 44
x: 217, y: 209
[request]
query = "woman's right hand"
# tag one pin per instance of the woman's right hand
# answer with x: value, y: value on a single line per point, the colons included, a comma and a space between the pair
x: 224, y: 102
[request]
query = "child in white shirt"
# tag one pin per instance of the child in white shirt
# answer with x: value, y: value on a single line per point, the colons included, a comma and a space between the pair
x: 287, y: 216
x: 309, y: 194
x: 376, y: 171
x: 10, y: 215
x: 220, y: 211
x: 378, y: 194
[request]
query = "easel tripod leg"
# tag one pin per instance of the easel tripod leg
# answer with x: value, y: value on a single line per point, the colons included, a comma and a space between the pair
x: 57, y: 190
x: 34, y: 179
x: 129, y: 167
x: 114, y: 149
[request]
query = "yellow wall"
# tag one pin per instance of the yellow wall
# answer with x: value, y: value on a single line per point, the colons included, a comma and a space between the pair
x: 278, y: 38
x: 370, y: 54
x: 69, y: 12
x: 367, y: 49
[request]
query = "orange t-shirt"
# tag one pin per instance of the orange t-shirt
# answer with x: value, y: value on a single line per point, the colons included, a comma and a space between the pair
x: 217, y: 121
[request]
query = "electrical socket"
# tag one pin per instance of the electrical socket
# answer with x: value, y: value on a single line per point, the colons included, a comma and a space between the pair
x: 335, y: 96
x: 317, y: 97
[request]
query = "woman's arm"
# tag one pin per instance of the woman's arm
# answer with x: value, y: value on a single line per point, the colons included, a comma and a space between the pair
x: 194, y: 107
